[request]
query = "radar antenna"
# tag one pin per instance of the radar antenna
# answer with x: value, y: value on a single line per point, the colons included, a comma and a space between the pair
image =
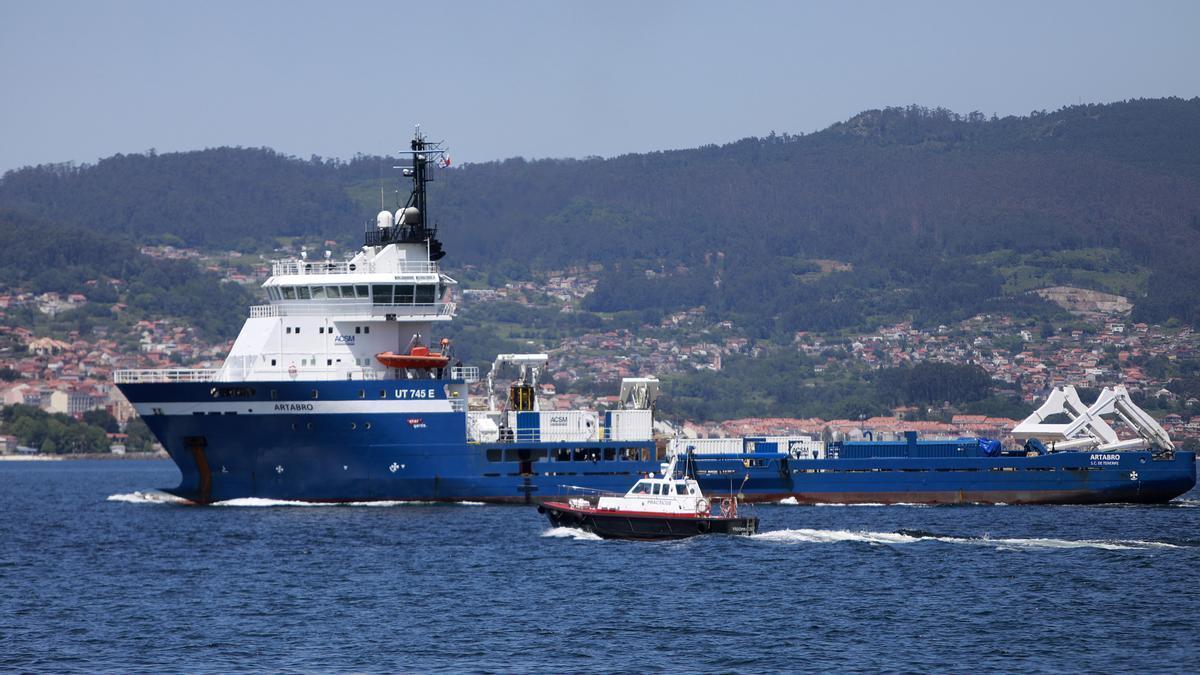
x: 412, y: 222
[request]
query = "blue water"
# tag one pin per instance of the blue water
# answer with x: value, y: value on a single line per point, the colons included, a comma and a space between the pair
x: 99, y: 573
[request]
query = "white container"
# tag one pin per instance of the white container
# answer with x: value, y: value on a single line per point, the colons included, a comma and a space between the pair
x: 568, y: 425
x: 630, y: 425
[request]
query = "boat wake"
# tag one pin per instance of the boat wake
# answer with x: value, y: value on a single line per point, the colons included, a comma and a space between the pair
x: 159, y: 497
x: 147, y: 497
x: 571, y: 533
x: 251, y: 502
x: 807, y: 536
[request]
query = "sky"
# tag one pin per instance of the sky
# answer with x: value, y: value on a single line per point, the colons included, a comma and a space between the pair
x: 84, y: 80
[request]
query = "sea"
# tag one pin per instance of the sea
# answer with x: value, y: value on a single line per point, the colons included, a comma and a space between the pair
x: 100, y: 571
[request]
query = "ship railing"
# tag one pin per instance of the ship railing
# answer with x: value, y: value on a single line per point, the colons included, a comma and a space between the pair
x: 163, y: 375
x: 353, y: 308
x: 467, y: 374
x: 511, y: 435
x: 303, y: 267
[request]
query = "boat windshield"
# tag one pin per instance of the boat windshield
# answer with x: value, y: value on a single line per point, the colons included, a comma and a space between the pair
x: 681, y: 488
x: 642, y: 488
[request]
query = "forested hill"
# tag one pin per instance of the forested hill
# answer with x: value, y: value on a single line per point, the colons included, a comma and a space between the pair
x: 939, y: 214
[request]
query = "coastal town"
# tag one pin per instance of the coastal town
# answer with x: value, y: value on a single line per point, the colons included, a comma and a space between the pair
x: 71, y: 373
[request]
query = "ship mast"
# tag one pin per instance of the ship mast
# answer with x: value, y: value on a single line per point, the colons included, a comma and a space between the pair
x: 410, y: 224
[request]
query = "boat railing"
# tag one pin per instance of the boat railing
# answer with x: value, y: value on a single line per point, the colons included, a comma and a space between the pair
x: 162, y: 375
x: 467, y: 374
x: 303, y: 267
x: 591, y: 494
x: 352, y: 308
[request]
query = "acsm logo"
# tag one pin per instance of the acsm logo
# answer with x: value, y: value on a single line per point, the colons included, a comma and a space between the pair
x: 343, y: 340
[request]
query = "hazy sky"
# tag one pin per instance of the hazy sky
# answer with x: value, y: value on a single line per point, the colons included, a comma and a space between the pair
x: 84, y: 80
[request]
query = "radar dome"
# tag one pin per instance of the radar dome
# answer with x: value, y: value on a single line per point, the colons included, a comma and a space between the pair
x: 408, y: 216
x: 384, y: 219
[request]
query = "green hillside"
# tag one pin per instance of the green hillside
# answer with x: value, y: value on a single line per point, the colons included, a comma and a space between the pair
x: 940, y: 215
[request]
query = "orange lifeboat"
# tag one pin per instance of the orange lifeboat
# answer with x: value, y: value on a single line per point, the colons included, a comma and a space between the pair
x: 417, y: 357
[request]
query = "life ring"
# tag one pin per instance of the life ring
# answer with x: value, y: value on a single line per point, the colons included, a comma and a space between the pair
x: 702, y: 506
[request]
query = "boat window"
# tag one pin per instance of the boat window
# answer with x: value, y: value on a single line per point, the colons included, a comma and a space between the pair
x: 610, y: 454
x: 289, y: 292
x: 332, y: 292
x: 347, y: 291
x: 303, y: 293
x: 404, y: 294
x: 562, y: 455
x: 493, y: 454
x: 426, y: 293
x: 642, y: 488
x: 681, y: 488
x: 381, y: 294
x: 318, y: 292
x: 366, y: 329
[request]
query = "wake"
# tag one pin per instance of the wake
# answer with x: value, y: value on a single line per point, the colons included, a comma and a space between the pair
x: 159, y: 497
x: 808, y: 536
x: 148, y: 497
x: 571, y: 533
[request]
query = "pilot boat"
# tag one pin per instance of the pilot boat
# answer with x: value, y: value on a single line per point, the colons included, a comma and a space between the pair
x: 669, y: 507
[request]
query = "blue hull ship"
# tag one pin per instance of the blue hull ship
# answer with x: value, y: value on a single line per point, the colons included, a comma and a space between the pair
x: 329, y: 394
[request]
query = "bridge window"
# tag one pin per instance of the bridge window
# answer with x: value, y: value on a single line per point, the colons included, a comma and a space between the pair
x: 332, y: 292
x: 302, y: 293
x: 404, y: 294
x: 347, y: 291
x: 642, y: 488
x: 289, y: 292
x: 426, y: 294
x: 381, y: 294
x: 362, y: 291
x: 318, y: 292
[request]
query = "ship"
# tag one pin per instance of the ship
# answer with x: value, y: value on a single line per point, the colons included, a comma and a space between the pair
x: 332, y: 392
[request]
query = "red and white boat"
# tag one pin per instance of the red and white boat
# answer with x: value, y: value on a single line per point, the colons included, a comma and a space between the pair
x: 669, y: 507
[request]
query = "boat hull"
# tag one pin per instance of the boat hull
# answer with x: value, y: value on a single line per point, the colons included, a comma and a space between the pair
x: 349, y: 444
x: 624, y: 525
